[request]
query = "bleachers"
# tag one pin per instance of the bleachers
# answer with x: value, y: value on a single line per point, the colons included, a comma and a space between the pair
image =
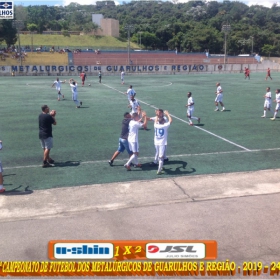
x: 40, y: 58
x: 121, y: 58
x: 109, y: 58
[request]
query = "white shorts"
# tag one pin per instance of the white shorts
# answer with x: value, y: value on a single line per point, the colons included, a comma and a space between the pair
x: 190, y: 111
x: 160, y: 151
x: 133, y: 146
x: 277, y: 107
x: 219, y: 97
x: 267, y: 104
x: 47, y: 143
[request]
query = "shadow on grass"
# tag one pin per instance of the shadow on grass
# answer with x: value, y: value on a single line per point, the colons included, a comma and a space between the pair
x: 199, y: 124
x: 179, y: 170
x: 67, y: 164
x: 16, y: 191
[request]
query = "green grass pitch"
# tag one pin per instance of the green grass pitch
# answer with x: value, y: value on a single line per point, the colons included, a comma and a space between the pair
x: 85, y: 139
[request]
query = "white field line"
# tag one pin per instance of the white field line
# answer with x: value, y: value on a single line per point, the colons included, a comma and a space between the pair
x: 151, y: 158
x: 209, y: 132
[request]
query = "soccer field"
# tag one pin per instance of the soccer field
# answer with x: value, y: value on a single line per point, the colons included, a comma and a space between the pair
x: 85, y: 139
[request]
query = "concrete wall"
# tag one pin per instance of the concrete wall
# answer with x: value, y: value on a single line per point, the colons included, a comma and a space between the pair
x: 71, y: 70
x: 110, y: 27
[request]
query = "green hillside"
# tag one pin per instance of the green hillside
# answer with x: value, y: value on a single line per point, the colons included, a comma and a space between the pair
x: 75, y: 41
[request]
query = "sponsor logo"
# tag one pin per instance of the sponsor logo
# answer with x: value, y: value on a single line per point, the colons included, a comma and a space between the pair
x: 175, y: 251
x: 6, y: 10
x: 83, y: 250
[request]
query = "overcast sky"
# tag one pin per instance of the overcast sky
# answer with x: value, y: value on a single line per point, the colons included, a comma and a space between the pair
x: 267, y: 3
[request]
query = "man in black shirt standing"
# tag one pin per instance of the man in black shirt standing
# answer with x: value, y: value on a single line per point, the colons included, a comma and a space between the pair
x: 123, y: 143
x: 46, y: 120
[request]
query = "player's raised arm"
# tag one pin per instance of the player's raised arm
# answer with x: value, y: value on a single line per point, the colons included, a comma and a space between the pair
x: 139, y: 110
x: 53, y: 114
x: 168, y: 115
x: 145, y: 118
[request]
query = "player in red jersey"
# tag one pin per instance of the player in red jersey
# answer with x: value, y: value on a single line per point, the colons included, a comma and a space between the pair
x: 268, y: 74
x: 247, y: 73
x: 83, y: 77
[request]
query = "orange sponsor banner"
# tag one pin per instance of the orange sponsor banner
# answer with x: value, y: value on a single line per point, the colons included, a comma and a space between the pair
x: 132, y: 249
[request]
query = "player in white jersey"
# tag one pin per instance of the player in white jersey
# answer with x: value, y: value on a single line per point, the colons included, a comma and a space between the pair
x: 134, y: 105
x: 277, y: 100
x: 122, y: 77
x: 160, y: 114
x: 219, y: 97
x: 134, y: 125
x: 74, y: 85
x: 190, y: 109
x: 57, y: 84
x: 160, y: 138
x: 267, y: 101
x: 130, y: 92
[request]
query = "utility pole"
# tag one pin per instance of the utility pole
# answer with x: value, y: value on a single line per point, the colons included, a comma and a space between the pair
x: 140, y: 32
x: 226, y: 29
x: 129, y: 28
x: 18, y: 24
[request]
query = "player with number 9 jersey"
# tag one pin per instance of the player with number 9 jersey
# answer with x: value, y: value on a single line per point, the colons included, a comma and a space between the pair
x: 160, y: 139
x: 161, y: 133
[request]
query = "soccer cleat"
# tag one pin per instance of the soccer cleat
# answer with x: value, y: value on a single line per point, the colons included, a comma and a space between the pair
x: 273, y: 119
x: 223, y: 109
x: 198, y: 120
x: 216, y: 109
x: 2, y: 190
x: 263, y: 116
x: 166, y: 159
x: 78, y: 107
x: 153, y: 164
x: 127, y: 167
x: 46, y: 165
x: 63, y: 96
x: 191, y: 124
x: 51, y: 161
x: 137, y: 165
x: 81, y: 103
x: 160, y: 172
x: 110, y: 162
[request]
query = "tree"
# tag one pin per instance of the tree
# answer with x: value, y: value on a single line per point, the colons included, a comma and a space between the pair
x: 149, y: 40
x: 268, y: 49
x: 32, y: 27
x: 89, y: 27
x: 65, y: 33
x: 8, y: 32
x: 20, y: 12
